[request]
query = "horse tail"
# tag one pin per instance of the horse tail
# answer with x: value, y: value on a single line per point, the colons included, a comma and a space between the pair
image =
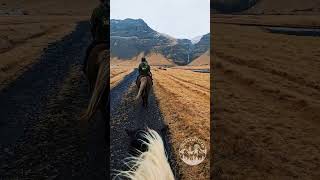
x: 143, y: 84
x: 99, y: 89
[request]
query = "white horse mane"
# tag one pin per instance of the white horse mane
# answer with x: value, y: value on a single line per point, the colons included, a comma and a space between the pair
x: 152, y: 164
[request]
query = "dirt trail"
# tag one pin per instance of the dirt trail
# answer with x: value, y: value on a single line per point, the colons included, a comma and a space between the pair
x: 126, y: 113
x: 40, y: 132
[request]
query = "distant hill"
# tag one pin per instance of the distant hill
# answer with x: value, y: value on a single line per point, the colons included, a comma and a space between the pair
x: 158, y: 59
x: 204, y: 59
x: 131, y: 37
x: 195, y: 40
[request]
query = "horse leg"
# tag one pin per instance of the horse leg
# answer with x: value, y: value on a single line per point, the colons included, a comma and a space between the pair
x: 146, y: 94
x: 143, y: 102
x: 146, y: 103
x: 145, y: 99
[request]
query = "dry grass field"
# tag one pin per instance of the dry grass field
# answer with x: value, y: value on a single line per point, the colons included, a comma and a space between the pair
x: 122, y: 67
x: 184, y: 99
x: 23, y: 39
x: 46, y: 7
x: 266, y: 100
x: 306, y: 21
x: 117, y: 74
x: 28, y: 27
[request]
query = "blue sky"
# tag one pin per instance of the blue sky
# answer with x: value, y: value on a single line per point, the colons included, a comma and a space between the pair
x: 177, y: 18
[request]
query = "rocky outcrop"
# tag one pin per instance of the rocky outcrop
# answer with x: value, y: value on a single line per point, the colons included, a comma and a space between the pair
x: 131, y: 37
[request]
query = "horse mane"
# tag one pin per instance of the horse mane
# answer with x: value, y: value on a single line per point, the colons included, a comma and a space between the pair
x: 101, y: 81
x: 152, y: 164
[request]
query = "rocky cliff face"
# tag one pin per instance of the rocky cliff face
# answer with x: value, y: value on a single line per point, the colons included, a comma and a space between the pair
x: 131, y: 37
x: 201, y: 47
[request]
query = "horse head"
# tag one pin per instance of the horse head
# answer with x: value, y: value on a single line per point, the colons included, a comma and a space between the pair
x: 138, y: 140
x: 151, y: 162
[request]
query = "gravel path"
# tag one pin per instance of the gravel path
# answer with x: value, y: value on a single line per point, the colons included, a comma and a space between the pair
x: 22, y: 102
x: 40, y: 133
x: 126, y: 113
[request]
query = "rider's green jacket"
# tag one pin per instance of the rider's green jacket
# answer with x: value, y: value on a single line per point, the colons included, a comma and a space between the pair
x: 100, y: 23
x: 144, y: 72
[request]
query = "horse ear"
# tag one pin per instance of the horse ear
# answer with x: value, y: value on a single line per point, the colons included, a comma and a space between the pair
x: 165, y: 129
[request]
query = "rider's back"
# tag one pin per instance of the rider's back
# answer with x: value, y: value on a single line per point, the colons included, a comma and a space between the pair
x: 144, y: 68
x: 100, y: 23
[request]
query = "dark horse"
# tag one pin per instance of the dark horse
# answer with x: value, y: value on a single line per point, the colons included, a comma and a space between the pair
x: 144, y: 85
x: 97, y: 72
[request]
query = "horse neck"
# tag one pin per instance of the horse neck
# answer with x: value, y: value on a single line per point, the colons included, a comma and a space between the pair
x: 152, y: 164
x: 143, y: 83
x: 155, y: 163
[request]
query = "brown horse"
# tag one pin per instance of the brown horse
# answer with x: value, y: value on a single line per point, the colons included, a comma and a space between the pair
x: 144, y: 85
x: 97, y: 73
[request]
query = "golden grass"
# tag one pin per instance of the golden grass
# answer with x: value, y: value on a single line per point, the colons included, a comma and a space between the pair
x: 190, y: 67
x: 266, y: 104
x: 184, y: 99
x: 267, y: 20
x: 155, y: 59
x: 122, y: 67
x: 24, y: 39
x: 117, y: 74
x: 203, y: 60
x: 47, y: 7
x: 119, y: 68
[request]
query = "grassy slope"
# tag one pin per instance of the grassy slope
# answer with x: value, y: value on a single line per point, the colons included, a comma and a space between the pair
x: 202, y: 60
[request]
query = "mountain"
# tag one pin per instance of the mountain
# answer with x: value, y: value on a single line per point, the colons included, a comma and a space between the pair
x: 201, y: 47
x: 195, y: 40
x: 130, y: 37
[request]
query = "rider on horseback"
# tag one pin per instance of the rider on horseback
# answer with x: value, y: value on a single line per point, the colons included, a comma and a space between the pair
x: 99, y: 27
x: 144, y: 70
